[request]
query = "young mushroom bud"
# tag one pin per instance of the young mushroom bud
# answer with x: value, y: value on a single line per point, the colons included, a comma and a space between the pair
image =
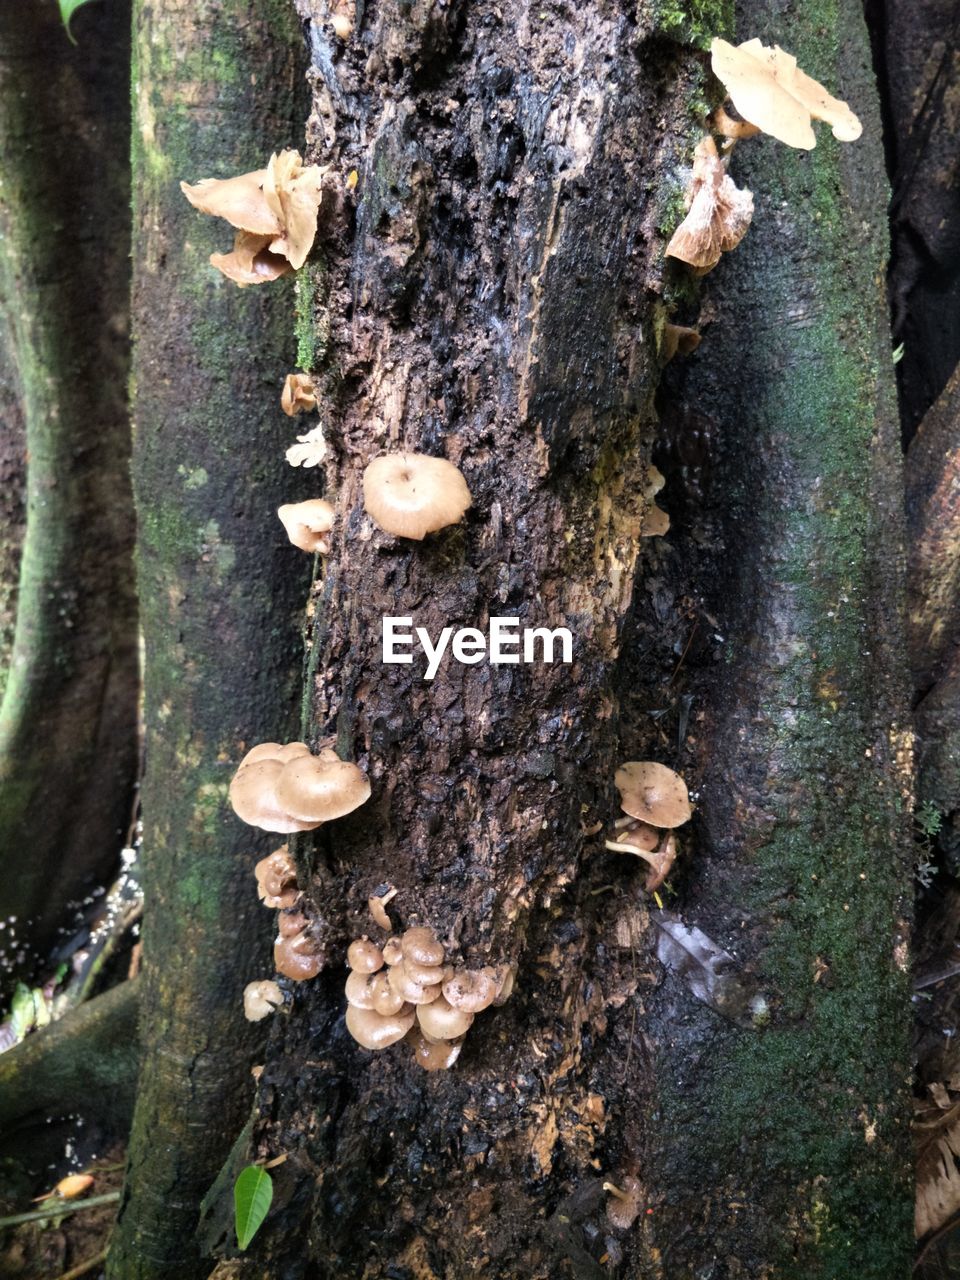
x: 308, y: 523
x: 376, y: 1030
x: 297, y: 957
x: 434, y: 1055
x: 277, y: 879
x: 411, y: 494
x: 471, y: 990
x: 653, y: 793
x: 439, y: 1020
x: 260, y: 999
x: 364, y: 956
x: 299, y: 395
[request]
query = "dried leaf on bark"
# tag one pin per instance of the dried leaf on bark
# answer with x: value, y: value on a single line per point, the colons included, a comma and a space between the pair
x: 938, y: 1175
x: 710, y: 973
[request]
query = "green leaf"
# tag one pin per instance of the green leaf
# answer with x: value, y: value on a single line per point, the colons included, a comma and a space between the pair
x: 898, y: 353
x: 67, y: 9
x: 252, y: 1193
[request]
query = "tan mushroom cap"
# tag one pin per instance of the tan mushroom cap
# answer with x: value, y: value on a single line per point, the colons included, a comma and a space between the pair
x: 240, y: 200
x: 678, y: 340
x: 770, y: 91
x: 254, y: 800
x: 385, y: 1000
x: 359, y: 989
x: 375, y: 1030
x: 411, y: 990
x: 505, y: 976
x: 471, y: 990
x: 293, y: 963
x: 439, y: 1020
x: 260, y: 999
x: 251, y: 261
x: 364, y: 956
x: 631, y: 836
x: 291, y: 923
x: 308, y: 523
x: 423, y: 945
x: 653, y: 793
x: 719, y: 212
x: 411, y: 494
x: 313, y: 789
x: 434, y: 1055
x: 425, y: 974
x: 299, y: 395
x: 392, y: 951
x: 277, y: 879
x: 294, y: 192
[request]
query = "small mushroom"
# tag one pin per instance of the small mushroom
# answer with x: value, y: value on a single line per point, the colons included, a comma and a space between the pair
x: 678, y: 340
x: 293, y: 961
x: 392, y: 951
x: 383, y: 997
x: 471, y: 990
x: 412, y: 991
x: 375, y: 1030
x: 505, y: 976
x: 260, y: 999
x: 277, y: 879
x: 644, y: 841
x: 239, y: 200
x: 411, y: 494
x: 314, y: 789
x: 251, y: 261
x: 625, y: 1203
x: 653, y: 793
x: 770, y: 91
x: 290, y: 923
x: 359, y: 989
x: 253, y: 788
x: 631, y: 836
x: 342, y: 26
x: 655, y: 522
x: 719, y: 212
x: 439, y: 1020
x: 434, y: 1055
x: 422, y: 945
x: 364, y: 956
x: 308, y: 523
x: 299, y: 395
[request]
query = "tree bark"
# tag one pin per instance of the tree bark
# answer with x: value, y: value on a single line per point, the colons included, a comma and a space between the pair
x: 497, y: 303
x: 217, y: 88
x: 68, y: 719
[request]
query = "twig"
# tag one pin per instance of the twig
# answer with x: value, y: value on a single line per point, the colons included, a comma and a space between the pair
x: 82, y: 1268
x: 60, y: 1209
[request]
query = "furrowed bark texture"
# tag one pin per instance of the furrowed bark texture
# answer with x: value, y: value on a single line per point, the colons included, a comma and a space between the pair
x: 217, y: 88
x: 13, y: 480
x: 68, y: 719
x: 495, y: 303
x: 783, y: 1149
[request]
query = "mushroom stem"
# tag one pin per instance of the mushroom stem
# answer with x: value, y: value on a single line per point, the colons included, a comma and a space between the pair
x: 615, y: 1191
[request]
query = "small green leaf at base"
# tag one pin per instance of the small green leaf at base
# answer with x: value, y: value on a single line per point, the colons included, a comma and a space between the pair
x: 252, y: 1194
x: 67, y: 9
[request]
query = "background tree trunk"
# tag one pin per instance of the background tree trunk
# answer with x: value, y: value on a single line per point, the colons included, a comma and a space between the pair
x: 217, y: 88
x: 68, y: 718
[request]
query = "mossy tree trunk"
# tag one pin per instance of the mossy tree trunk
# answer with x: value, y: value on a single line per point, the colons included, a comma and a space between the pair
x: 68, y: 718
x: 217, y: 87
x: 496, y: 299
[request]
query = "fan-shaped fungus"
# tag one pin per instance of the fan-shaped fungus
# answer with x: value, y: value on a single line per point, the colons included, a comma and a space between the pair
x: 719, y: 212
x: 411, y: 494
x: 285, y: 788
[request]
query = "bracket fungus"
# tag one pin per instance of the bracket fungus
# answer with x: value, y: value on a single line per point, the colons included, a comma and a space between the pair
x: 308, y: 523
x: 299, y: 395
x: 771, y: 92
x: 412, y: 494
x: 260, y: 999
x: 286, y: 789
x: 274, y: 211
x: 719, y: 213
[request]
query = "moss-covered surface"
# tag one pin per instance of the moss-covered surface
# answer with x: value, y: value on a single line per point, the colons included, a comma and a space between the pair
x: 809, y: 880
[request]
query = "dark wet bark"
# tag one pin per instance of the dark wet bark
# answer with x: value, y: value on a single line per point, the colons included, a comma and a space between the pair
x: 217, y: 89
x: 496, y: 302
x: 68, y: 723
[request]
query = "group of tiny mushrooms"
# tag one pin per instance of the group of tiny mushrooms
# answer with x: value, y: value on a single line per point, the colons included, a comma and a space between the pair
x: 405, y: 988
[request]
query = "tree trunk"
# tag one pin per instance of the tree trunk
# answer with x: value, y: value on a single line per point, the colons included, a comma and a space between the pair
x: 68, y: 719
x: 216, y: 90
x: 497, y: 304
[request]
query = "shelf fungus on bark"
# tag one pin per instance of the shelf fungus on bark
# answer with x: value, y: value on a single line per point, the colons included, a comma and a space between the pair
x: 260, y: 999
x: 308, y: 523
x: 770, y: 91
x: 274, y: 211
x: 413, y: 494
x: 299, y: 394
x: 286, y: 788
x: 277, y: 879
x: 419, y: 984
x: 719, y: 212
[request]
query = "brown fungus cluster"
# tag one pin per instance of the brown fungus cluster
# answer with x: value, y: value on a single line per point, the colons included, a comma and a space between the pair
x: 286, y: 788
x: 407, y: 990
x: 655, y: 800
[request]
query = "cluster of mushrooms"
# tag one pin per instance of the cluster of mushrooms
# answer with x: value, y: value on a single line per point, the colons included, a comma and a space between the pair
x: 655, y: 800
x: 406, y: 990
